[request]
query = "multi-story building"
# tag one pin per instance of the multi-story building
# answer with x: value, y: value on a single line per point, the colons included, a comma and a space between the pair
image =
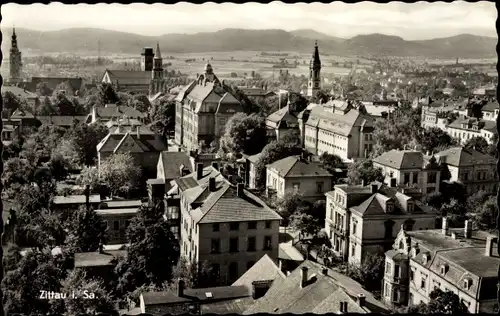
x: 250, y: 170
x: 314, y: 84
x: 490, y: 111
x: 437, y: 116
x: 224, y: 225
x: 282, y: 122
x: 475, y: 170
x: 113, y: 112
x: 410, y: 168
x: 338, y: 129
x: 465, y: 128
x: 141, y: 143
x: 117, y: 221
x: 202, y: 109
x: 361, y: 219
x: 460, y: 260
x: 296, y: 174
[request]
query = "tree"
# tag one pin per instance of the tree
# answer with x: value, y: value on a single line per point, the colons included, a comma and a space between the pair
x: 331, y: 162
x: 46, y: 108
x: 119, y: 172
x: 193, y: 274
x: 371, y: 271
x: 435, y: 139
x: 454, y: 210
x: 37, y: 270
x: 152, y: 254
x: 140, y: 102
x: 12, y: 102
x: 272, y: 152
x: 492, y: 149
x: 43, y: 90
x: 64, y: 157
x: 107, y: 95
x: 17, y: 171
x: 440, y: 303
x: 162, y: 115
x: 305, y: 223
x: 11, y: 257
x: 364, y: 171
x: 288, y: 204
x: 484, y: 216
x: 86, y: 230
x: 91, y: 295
x: 64, y: 88
x: 62, y: 104
x: 244, y: 134
x: 477, y: 143
x: 85, y: 138
x: 434, y: 200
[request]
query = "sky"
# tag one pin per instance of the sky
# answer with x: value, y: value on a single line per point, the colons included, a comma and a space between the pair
x: 421, y: 20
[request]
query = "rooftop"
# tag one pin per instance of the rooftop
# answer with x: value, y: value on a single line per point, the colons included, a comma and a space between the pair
x: 461, y: 157
x: 294, y: 166
x: 95, y: 259
x: 401, y: 159
x: 263, y: 270
x: 118, y: 211
x: 172, y: 163
x: 76, y: 199
x: 121, y: 204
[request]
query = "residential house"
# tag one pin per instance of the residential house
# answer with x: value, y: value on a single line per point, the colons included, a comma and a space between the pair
x: 24, y: 119
x: 214, y: 300
x: 465, y: 128
x: 32, y: 99
x: 126, y: 123
x: 289, y: 257
x: 487, y: 91
x: 379, y: 109
x: 202, y: 109
x: 259, y: 95
x: 295, y: 174
x: 490, y: 111
x: 117, y: 221
x: 361, y: 219
x: 437, y: 115
x: 142, y: 144
x: 225, y: 225
x: 172, y: 165
x: 260, y: 276
x: 61, y: 121
x: 73, y: 87
x: 312, y: 288
x: 250, y: 169
x: 337, y: 128
x: 8, y: 133
x: 410, y: 168
x: 282, y: 122
x: 461, y: 260
x: 114, y: 112
x: 73, y: 202
x: 475, y: 170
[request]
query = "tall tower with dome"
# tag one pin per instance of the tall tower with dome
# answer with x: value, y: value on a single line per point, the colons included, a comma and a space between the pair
x: 314, y: 84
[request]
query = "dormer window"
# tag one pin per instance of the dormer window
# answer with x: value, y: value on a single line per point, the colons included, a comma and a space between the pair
x: 410, y: 206
x: 389, y: 207
x: 467, y: 283
x: 443, y: 269
x: 414, y: 251
x: 425, y: 258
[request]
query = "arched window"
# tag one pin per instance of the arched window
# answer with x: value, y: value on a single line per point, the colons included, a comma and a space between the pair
x: 401, y: 245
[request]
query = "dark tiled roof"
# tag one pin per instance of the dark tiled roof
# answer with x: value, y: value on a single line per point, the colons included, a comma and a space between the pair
x: 294, y: 166
x: 282, y: 115
x: 20, y: 92
x: 160, y: 298
x: 200, y: 295
x: 172, y: 162
x: 95, y: 259
x: 460, y: 157
x: 190, y: 181
x: 401, y: 159
x: 126, y: 77
x: 233, y: 306
x: 119, y: 111
x: 490, y: 106
x: 488, y: 125
x: 263, y: 270
x: 146, y: 141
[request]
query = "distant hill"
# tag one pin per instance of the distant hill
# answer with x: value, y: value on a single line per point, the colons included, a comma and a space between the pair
x: 84, y: 40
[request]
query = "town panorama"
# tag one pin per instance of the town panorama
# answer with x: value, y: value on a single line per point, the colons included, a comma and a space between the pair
x: 279, y: 158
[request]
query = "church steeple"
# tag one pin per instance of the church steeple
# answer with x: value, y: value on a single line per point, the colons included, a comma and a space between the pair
x: 15, y: 60
x: 314, y: 84
x: 158, y: 53
x: 158, y: 64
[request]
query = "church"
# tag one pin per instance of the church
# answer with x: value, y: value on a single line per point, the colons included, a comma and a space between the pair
x: 15, y: 61
x: 150, y: 80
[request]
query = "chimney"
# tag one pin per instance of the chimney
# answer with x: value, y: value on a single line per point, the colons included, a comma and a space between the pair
x: 303, y: 274
x: 363, y: 182
x: 468, y: 229
x: 180, y: 288
x: 490, y: 240
x: 221, y: 170
x: 87, y: 196
x: 179, y: 149
x: 215, y: 165
x: 138, y: 131
x: 345, y: 307
x: 100, y: 249
x: 239, y: 189
x: 211, y: 184
x: 374, y: 188
x: 428, y: 153
x: 199, y: 171
x: 341, y: 307
x: 324, y: 271
x: 361, y: 299
x: 444, y: 227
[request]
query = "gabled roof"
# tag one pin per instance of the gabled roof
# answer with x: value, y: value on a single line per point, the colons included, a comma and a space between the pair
x: 338, y: 123
x: 401, y: 159
x: 282, y: 114
x: 190, y: 181
x: 461, y: 157
x: 19, y: 92
x: 76, y: 199
x: 22, y: 114
x: 294, y: 166
x: 172, y: 162
x: 263, y: 270
x: 146, y: 141
x: 491, y: 106
x: 488, y: 125
x: 224, y: 205
x: 118, y: 111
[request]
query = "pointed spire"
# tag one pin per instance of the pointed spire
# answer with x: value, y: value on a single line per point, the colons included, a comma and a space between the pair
x: 14, y: 31
x: 316, y: 60
x: 157, y: 53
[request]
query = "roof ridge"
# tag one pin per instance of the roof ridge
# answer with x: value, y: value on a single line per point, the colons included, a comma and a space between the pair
x: 225, y: 187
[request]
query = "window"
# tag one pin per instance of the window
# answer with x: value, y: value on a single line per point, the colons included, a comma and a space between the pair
x: 412, y: 275
x: 252, y: 225
x: 215, y: 271
x: 406, y: 178
x: 354, y: 226
x: 233, y: 244
x: 396, y: 271
x: 410, y: 207
x: 215, y: 227
x: 234, y: 226
x: 386, y: 290
x: 415, y: 177
x: 353, y: 249
x: 410, y: 299
x: 296, y: 187
x: 127, y: 222
x: 116, y: 225
x: 267, y: 243
x: 388, y: 267
x: 233, y: 271
x: 215, y: 245
x: 172, y: 212
x: 423, y: 281
x: 319, y: 187
x: 251, y: 244
x: 268, y: 224
x: 395, y: 295
x: 250, y: 264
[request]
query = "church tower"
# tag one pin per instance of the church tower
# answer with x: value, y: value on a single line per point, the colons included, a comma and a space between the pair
x: 158, y: 82
x: 15, y: 60
x: 314, y: 84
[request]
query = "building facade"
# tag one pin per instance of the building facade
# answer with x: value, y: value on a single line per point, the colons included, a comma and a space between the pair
x: 475, y: 170
x: 338, y: 129
x: 460, y: 260
x: 362, y: 219
x: 410, y: 168
x: 314, y: 84
x: 202, y: 110
x: 15, y: 60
